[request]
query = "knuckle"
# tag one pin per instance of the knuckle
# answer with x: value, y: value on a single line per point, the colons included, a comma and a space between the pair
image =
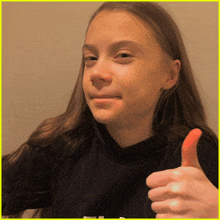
x: 175, y: 206
x: 177, y: 175
x: 176, y: 189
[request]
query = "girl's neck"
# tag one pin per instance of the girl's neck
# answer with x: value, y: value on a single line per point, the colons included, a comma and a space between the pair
x: 126, y: 136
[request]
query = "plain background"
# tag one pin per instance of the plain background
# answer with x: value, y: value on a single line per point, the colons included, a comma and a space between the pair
x: 41, y: 53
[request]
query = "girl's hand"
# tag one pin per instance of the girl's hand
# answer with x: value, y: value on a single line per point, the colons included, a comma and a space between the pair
x: 184, y: 192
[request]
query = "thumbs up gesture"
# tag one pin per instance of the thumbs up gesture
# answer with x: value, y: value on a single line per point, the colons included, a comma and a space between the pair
x: 184, y: 192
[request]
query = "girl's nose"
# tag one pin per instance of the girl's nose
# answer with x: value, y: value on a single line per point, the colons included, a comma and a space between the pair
x: 101, y: 73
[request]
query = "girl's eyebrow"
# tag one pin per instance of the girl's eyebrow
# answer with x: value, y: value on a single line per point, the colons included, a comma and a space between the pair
x: 131, y: 44
x: 115, y: 45
x: 126, y: 43
x: 89, y: 47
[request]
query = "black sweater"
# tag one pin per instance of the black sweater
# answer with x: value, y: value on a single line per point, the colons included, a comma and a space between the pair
x: 100, y: 180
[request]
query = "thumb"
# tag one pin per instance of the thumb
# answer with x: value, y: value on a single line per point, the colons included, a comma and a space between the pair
x: 189, y: 149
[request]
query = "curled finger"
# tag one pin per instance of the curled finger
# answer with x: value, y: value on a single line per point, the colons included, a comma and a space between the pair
x: 158, y: 194
x: 175, y: 206
x: 160, y: 207
x: 172, y: 190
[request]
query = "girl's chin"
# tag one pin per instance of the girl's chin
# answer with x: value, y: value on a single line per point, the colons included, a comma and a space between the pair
x: 107, y: 115
x: 103, y: 120
x: 106, y: 119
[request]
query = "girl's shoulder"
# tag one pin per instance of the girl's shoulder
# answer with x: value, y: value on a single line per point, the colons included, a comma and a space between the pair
x: 26, y: 177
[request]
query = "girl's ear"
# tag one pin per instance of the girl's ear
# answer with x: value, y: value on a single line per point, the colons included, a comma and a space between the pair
x: 172, y: 74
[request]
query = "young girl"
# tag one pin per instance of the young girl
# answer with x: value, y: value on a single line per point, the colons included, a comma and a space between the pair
x: 122, y: 147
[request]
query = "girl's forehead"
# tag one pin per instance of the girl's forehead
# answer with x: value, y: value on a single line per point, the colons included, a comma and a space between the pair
x: 119, y: 25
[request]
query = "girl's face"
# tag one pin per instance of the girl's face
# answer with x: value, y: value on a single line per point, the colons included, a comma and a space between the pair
x: 125, y: 69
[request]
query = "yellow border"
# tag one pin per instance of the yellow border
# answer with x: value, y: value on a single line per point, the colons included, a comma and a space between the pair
x: 1, y: 109
x: 96, y: 1
x: 218, y: 102
x: 111, y: 1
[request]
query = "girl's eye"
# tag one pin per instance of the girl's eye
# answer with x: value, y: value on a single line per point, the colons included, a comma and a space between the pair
x: 90, y: 60
x: 124, y: 58
x: 124, y: 55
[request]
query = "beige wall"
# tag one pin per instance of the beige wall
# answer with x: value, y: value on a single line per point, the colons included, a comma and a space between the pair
x: 42, y: 50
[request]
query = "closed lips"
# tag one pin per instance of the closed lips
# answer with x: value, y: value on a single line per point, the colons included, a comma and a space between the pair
x: 106, y: 97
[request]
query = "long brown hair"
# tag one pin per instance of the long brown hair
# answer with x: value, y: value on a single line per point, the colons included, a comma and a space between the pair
x: 179, y: 109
